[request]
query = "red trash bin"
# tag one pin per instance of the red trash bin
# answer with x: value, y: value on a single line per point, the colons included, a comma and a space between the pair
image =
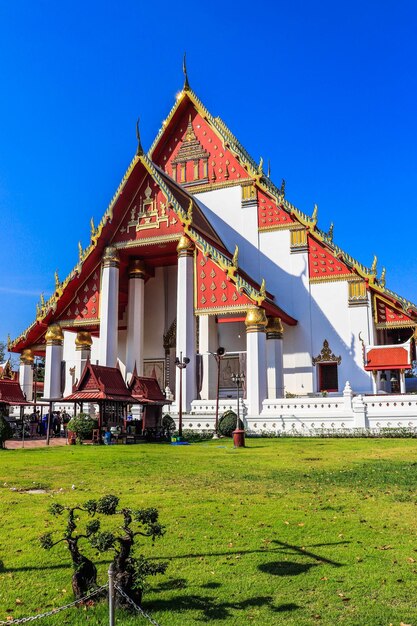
x: 239, y: 438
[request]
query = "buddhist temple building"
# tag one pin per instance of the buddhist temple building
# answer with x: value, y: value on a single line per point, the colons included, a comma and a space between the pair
x: 199, y: 249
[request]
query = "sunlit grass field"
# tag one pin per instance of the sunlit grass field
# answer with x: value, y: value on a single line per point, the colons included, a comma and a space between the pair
x: 291, y: 531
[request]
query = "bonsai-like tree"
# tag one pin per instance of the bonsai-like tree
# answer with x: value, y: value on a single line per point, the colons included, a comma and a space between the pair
x: 130, y: 572
x: 84, y: 577
x: 5, y: 430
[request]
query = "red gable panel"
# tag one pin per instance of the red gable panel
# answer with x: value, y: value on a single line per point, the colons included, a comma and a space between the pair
x: 148, y: 215
x: 323, y: 263
x: 270, y: 214
x: 386, y: 314
x: 203, y: 143
x: 85, y: 304
x: 215, y: 290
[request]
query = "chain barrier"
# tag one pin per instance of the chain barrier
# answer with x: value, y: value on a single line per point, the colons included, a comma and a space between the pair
x: 32, y: 618
x: 135, y: 606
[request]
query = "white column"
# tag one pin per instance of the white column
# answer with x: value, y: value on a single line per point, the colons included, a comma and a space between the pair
x: 135, y: 318
x: 402, y: 381
x: 83, y: 343
x: 256, y: 386
x: 374, y: 382
x: 186, y: 339
x: 53, y: 360
x: 274, y: 358
x: 26, y: 374
x: 109, y: 307
x: 209, y: 342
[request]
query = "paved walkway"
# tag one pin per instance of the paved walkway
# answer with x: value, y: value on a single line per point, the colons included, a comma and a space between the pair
x: 13, y: 444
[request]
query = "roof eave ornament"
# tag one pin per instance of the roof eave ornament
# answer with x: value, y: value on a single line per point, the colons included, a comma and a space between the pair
x: 139, y: 150
x: 184, y: 69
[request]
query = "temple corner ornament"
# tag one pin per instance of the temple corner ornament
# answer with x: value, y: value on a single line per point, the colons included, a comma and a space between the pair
x: 326, y: 355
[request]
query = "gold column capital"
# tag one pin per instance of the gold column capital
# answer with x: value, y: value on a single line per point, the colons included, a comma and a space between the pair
x: 274, y: 328
x: 27, y: 357
x: 137, y: 269
x: 256, y: 320
x: 54, y: 335
x: 83, y: 340
x: 185, y: 247
x: 111, y: 257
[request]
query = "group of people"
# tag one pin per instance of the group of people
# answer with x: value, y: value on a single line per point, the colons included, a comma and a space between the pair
x: 57, y: 424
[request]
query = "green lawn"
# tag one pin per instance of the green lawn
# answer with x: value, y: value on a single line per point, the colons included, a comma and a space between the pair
x: 293, y: 531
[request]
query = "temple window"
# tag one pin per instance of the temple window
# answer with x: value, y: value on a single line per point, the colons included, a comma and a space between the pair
x: 174, y: 171
x: 183, y: 172
x: 195, y: 170
x: 327, y: 377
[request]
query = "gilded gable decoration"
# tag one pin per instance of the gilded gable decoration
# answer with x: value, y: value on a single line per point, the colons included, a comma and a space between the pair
x: 326, y: 355
x: 191, y: 150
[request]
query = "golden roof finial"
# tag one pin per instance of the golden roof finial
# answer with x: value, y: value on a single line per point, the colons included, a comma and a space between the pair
x: 315, y: 213
x: 235, y: 259
x: 260, y: 166
x: 330, y: 233
x: 57, y: 283
x: 80, y: 251
x: 282, y: 189
x: 184, y: 69
x: 139, y: 150
x: 382, y: 279
x: 262, y: 289
x: 374, y: 265
x: 92, y: 227
x: 190, y: 211
x: 42, y: 300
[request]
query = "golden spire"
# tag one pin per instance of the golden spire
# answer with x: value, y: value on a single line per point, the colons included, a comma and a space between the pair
x: 184, y: 69
x: 42, y: 300
x: 235, y: 259
x: 374, y: 265
x: 56, y: 280
x: 315, y: 213
x: 382, y: 279
x: 92, y: 227
x: 80, y: 251
x: 139, y: 150
x: 262, y: 290
x: 282, y: 189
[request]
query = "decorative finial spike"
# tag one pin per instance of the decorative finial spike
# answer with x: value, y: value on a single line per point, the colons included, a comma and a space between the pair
x: 56, y: 280
x: 260, y: 166
x: 235, y: 259
x: 269, y: 169
x: 184, y: 69
x: 262, y: 290
x: 282, y: 190
x: 139, y: 150
x: 374, y: 265
x: 80, y: 251
x: 382, y: 279
x: 330, y: 233
x: 92, y: 227
x: 315, y: 213
x: 190, y: 211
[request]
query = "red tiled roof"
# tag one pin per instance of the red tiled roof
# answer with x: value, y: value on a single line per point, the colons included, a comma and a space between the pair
x: 98, y: 382
x: 388, y: 358
x: 11, y: 393
x: 146, y: 390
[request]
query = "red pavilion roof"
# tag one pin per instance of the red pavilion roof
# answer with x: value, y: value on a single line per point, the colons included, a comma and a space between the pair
x: 388, y: 357
x: 97, y: 383
x: 11, y: 393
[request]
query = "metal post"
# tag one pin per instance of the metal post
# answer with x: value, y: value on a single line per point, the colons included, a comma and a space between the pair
x: 180, y: 406
x: 238, y: 417
x: 111, y: 595
x: 22, y: 417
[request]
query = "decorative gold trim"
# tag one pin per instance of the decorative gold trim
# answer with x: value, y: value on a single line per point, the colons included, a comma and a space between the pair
x: 385, y: 325
x: 149, y: 241
x: 289, y: 226
x: 222, y: 311
x: 221, y: 185
x: 326, y: 355
x: 185, y: 247
x: 330, y: 279
x: 75, y: 323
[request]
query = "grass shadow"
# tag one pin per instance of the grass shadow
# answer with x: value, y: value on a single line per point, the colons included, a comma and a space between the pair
x: 285, y: 568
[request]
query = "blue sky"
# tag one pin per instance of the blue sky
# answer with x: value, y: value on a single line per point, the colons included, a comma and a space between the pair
x: 325, y: 90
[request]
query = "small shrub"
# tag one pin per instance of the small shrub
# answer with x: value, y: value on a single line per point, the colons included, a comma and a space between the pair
x: 168, y: 426
x: 82, y: 425
x: 5, y: 431
x: 227, y: 423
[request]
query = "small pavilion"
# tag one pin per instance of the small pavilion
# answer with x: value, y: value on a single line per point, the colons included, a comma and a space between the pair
x: 105, y: 387
x: 148, y: 394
